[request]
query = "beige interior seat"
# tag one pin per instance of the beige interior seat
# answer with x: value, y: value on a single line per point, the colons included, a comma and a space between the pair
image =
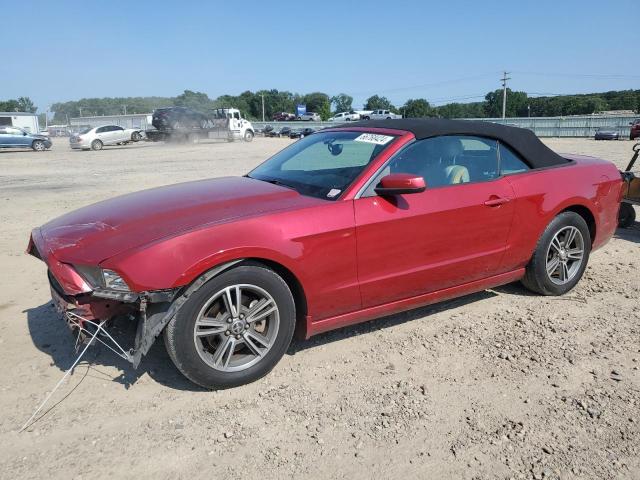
x: 456, y: 174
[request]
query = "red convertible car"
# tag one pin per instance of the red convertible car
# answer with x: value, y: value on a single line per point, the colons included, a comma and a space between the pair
x: 345, y: 225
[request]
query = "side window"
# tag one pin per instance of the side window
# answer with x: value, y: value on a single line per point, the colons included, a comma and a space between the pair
x: 117, y: 129
x: 510, y: 162
x: 445, y: 160
x: 101, y: 129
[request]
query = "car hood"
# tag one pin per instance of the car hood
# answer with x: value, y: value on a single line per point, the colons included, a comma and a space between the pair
x: 97, y: 232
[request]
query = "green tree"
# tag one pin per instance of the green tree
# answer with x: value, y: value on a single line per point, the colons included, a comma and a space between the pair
x: 26, y: 105
x: 417, y: 108
x: 194, y: 100
x: 318, y: 102
x: 516, y: 103
x: 342, y: 102
x: 376, y: 103
x: 9, y: 106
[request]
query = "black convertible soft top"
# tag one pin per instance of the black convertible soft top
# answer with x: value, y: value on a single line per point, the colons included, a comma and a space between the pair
x: 522, y: 140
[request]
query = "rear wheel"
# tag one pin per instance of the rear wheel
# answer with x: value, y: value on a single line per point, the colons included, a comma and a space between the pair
x: 234, y: 329
x: 626, y: 216
x: 96, y: 145
x: 39, y: 146
x: 560, y: 257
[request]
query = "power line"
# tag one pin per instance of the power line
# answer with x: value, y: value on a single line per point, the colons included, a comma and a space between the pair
x: 424, y: 85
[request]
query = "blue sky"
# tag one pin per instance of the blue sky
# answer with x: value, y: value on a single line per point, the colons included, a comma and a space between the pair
x: 441, y: 51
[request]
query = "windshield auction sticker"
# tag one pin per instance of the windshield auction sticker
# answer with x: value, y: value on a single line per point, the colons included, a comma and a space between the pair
x: 373, y: 138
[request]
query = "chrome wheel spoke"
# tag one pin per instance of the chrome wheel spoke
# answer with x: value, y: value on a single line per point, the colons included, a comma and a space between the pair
x: 564, y: 272
x: 552, y: 265
x: 555, y: 244
x: 229, y: 304
x: 575, y: 254
x: 224, y: 352
x: 209, y: 326
x: 261, y: 310
x: 571, y: 235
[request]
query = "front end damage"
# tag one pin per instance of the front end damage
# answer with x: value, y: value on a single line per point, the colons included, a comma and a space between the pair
x: 86, y: 307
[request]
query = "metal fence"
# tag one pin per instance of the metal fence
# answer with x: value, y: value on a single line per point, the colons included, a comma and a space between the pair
x: 578, y: 126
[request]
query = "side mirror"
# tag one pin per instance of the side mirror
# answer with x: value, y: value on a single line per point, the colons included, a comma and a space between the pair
x: 399, y: 183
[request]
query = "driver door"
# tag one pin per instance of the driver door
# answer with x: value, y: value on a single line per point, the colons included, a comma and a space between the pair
x: 453, y: 233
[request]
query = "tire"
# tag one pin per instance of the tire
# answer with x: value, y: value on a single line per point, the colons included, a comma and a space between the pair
x: 38, y: 146
x: 388, y: 118
x: 136, y: 137
x: 96, y: 145
x: 626, y: 215
x: 248, y: 136
x: 536, y: 277
x: 193, y: 351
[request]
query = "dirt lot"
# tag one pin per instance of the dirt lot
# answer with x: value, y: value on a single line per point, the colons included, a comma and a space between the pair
x: 500, y: 384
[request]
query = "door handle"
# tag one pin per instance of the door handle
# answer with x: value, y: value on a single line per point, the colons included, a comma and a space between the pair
x: 495, y: 201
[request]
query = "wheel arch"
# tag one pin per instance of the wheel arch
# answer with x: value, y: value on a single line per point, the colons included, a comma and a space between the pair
x: 289, y: 277
x: 587, y: 215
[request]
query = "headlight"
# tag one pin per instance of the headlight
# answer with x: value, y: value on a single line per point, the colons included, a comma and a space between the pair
x: 113, y: 281
x: 100, y: 278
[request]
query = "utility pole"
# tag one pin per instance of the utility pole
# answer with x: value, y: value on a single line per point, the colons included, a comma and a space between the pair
x: 125, y: 109
x: 80, y: 108
x: 504, y: 93
x: 262, y: 95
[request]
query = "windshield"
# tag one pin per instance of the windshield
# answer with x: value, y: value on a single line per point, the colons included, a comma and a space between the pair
x: 323, y: 164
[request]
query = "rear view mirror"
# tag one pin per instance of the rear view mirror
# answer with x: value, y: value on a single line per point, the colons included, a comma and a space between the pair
x: 400, y: 183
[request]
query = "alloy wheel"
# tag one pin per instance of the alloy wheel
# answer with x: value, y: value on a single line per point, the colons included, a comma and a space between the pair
x: 236, y: 327
x: 565, y: 255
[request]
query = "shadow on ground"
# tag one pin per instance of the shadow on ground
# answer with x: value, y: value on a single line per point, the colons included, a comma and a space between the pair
x: 631, y: 234
x: 51, y: 335
x: 386, y: 322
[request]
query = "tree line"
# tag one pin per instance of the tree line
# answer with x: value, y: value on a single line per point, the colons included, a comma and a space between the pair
x: 519, y: 104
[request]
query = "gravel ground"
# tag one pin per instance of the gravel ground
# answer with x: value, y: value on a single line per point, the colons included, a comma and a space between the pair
x: 499, y: 384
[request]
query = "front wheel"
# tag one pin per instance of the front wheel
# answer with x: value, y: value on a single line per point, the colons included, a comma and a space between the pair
x: 136, y: 137
x: 560, y: 257
x: 234, y: 329
x: 39, y: 146
x: 248, y: 136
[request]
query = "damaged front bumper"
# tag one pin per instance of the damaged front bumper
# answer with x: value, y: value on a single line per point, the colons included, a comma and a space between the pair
x: 83, y: 307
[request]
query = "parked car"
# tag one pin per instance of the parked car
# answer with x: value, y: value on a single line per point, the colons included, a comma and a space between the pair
x: 284, y: 117
x: 95, y: 138
x: 301, y: 132
x: 383, y: 115
x: 607, y: 133
x: 281, y: 132
x: 343, y: 226
x: 309, y: 117
x: 14, y: 137
x: 635, y: 129
x: 345, y: 117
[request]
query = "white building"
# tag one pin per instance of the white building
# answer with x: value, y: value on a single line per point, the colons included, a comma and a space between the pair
x: 26, y: 121
x: 141, y: 121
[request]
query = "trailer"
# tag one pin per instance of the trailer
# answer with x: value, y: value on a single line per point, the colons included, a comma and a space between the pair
x: 179, y: 124
x: 24, y: 120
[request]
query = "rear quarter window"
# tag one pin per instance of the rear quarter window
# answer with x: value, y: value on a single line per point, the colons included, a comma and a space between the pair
x: 510, y: 162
